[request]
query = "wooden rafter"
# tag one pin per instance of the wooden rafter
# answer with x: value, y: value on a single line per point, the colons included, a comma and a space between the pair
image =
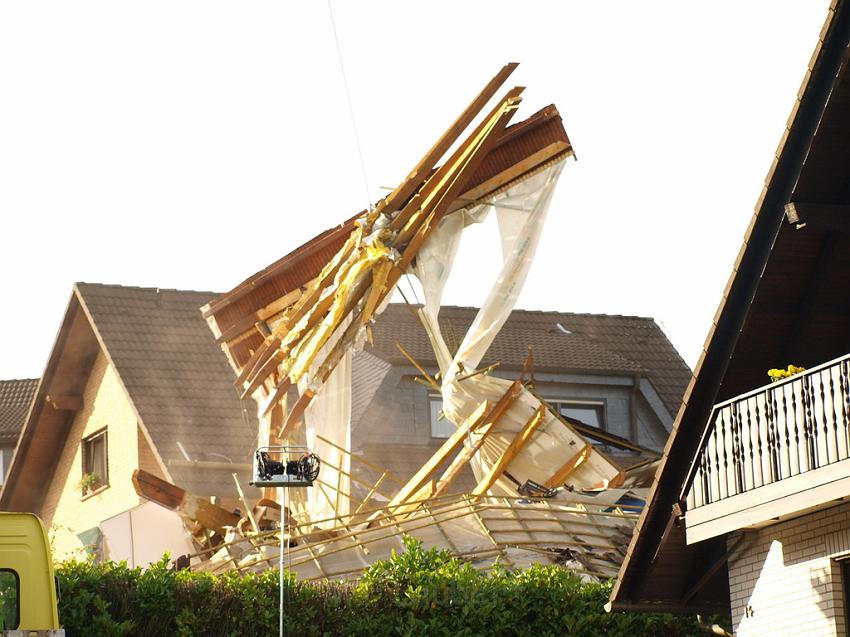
x: 450, y: 446
x: 516, y: 445
x: 560, y: 476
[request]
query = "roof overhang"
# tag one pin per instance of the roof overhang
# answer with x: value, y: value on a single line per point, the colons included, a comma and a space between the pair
x: 786, y: 301
x: 52, y: 412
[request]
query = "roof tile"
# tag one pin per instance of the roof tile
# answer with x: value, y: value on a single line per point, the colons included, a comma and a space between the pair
x: 562, y: 342
x: 177, y: 377
x: 15, y: 399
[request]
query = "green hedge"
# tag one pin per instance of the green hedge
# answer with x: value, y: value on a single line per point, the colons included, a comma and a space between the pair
x: 416, y: 593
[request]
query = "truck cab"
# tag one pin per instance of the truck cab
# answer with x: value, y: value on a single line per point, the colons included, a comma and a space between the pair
x: 28, y: 602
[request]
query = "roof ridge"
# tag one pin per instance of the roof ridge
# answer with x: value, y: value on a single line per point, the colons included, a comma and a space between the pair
x: 120, y: 286
x: 19, y: 380
x: 548, y: 312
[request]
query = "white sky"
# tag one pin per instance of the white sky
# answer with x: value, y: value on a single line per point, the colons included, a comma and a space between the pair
x: 189, y: 144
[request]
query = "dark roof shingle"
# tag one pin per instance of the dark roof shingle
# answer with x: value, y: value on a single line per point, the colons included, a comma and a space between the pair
x: 177, y: 377
x: 562, y: 342
x: 15, y: 399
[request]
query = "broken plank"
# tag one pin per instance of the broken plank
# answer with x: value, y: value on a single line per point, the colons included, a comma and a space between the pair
x: 201, y: 510
x: 151, y: 487
x: 245, y: 323
x: 297, y: 414
x: 450, y: 446
x: 560, y: 476
x: 516, y: 445
x: 462, y: 459
x: 433, y: 383
x: 423, y: 169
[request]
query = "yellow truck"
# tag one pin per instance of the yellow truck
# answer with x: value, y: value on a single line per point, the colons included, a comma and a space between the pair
x: 28, y: 602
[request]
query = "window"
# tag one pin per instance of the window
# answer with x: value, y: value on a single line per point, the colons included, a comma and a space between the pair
x: 440, y: 426
x: 95, y: 465
x: 10, y: 605
x: 589, y: 412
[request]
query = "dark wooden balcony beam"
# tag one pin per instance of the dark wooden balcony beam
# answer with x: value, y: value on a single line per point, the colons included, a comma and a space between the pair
x: 65, y: 402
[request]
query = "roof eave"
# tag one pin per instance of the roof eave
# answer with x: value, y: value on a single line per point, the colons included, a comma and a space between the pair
x: 739, y: 293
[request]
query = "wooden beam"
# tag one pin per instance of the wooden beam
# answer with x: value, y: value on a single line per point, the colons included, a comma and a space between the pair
x: 462, y: 459
x: 426, y: 164
x: 274, y: 398
x: 450, y: 446
x: 502, y: 181
x: 431, y: 381
x: 483, y: 420
x: 560, y: 476
x: 65, y: 403
x: 198, y: 509
x: 448, y: 172
x: 245, y: 323
x: 516, y: 445
x: 835, y: 217
x: 297, y: 414
x: 158, y: 490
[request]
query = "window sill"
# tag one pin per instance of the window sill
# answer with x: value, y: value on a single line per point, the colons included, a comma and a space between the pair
x: 90, y: 494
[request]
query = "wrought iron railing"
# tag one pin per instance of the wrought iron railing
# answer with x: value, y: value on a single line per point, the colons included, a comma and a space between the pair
x: 781, y: 430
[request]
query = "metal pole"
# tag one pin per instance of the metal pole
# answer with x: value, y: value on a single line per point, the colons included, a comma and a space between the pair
x: 282, y: 533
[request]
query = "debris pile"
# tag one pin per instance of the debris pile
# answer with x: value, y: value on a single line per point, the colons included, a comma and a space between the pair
x: 542, y: 492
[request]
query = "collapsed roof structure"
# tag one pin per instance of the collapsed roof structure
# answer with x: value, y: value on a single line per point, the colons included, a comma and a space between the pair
x: 542, y: 489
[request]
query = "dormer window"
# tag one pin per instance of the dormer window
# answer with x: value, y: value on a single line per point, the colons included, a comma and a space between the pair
x: 589, y: 412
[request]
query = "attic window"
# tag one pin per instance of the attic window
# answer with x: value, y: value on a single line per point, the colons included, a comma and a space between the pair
x: 589, y: 412
x: 95, y: 466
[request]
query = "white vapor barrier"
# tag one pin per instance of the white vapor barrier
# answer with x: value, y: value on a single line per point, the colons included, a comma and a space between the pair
x: 330, y: 416
x: 434, y: 264
x: 521, y: 212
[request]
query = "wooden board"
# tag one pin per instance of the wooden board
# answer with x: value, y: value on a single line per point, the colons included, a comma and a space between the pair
x: 516, y: 445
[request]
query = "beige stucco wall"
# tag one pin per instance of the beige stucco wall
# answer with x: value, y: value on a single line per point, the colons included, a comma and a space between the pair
x: 787, y: 581
x: 65, y: 511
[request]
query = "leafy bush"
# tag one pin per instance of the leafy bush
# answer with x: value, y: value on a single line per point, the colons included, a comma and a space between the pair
x: 416, y: 593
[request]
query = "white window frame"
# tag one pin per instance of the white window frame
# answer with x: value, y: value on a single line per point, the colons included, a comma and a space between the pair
x: 599, y: 405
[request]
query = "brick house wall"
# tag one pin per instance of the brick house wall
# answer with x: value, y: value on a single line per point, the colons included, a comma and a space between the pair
x: 787, y: 580
x: 66, y: 511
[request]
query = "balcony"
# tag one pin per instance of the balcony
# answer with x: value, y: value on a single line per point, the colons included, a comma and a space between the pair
x: 781, y: 449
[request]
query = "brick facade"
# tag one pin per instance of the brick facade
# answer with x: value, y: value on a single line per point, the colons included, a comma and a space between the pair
x: 786, y: 581
x: 65, y: 511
